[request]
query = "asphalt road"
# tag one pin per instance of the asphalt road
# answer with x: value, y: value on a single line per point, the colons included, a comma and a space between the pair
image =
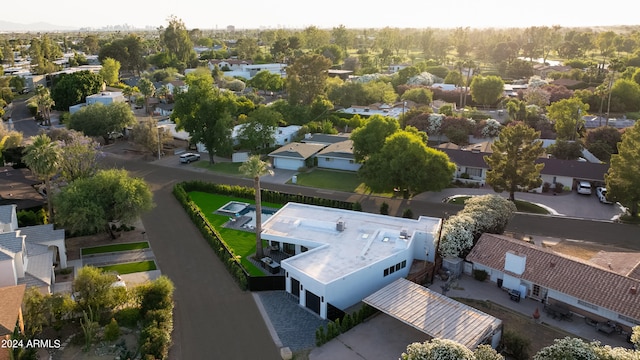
x: 22, y: 119
x: 214, y: 319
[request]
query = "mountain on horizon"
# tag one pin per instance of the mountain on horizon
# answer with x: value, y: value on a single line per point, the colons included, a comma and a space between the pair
x: 7, y: 26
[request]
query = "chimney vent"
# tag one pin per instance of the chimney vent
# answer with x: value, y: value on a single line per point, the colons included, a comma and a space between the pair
x: 633, y: 290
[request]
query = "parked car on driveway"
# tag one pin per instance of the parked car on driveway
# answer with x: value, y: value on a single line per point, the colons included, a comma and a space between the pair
x: 601, y: 192
x: 189, y: 157
x: 584, y: 187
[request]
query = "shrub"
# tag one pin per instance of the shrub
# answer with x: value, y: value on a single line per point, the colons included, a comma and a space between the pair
x: 559, y: 188
x: 384, y: 209
x: 480, y: 275
x: 128, y: 317
x: 407, y: 214
x: 545, y: 187
x: 516, y: 345
x: 112, y: 330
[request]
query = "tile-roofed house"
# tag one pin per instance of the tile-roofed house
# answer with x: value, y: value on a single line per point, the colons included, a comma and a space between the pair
x: 583, y: 287
x: 294, y: 155
x: 338, y: 156
x: 28, y: 254
x: 11, y: 309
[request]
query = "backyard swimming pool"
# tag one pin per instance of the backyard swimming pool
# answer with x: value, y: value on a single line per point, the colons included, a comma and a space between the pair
x: 242, y: 216
x: 233, y: 208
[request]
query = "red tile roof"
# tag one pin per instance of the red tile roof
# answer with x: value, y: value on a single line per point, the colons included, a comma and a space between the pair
x: 570, y: 276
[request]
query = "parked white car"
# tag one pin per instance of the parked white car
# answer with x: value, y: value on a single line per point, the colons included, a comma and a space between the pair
x: 584, y: 187
x: 189, y: 157
x: 601, y: 192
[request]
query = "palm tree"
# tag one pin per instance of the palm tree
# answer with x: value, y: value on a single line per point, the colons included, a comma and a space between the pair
x: 43, y: 158
x: 254, y: 167
x: 45, y: 103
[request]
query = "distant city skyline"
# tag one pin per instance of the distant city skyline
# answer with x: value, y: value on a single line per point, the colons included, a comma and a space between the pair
x: 254, y: 14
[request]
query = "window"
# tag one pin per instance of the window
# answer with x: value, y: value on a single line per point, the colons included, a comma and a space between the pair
x: 327, y: 159
x: 586, y: 304
x: 398, y: 267
x: 392, y: 269
x: 404, y: 264
x: 475, y: 172
x: 628, y: 319
x: 536, y: 290
x: 386, y: 272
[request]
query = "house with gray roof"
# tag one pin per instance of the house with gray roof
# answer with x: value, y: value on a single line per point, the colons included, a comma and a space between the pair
x: 28, y: 254
x: 294, y: 156
x: 338, y: 156
x: 601, y: 291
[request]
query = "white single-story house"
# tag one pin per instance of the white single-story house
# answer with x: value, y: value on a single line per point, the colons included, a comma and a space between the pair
x: 394, y: 110
x: 247, y: 69
x: 436, y: 315
x: 28, y: 254
x: 294, y: 156
x: 104, y: 97
x: 177, y: 86
x: 599, y: 291
x: 342, y: 256
x: 338, y: 156
x: 285, y: 134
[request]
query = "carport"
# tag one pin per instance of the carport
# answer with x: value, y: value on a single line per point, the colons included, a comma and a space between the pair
x: 436, y: 315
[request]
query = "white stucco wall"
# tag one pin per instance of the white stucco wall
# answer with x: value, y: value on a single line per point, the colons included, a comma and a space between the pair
x: 8, y: 276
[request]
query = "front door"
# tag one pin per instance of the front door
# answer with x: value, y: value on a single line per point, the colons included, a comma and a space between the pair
x: 295, y: 287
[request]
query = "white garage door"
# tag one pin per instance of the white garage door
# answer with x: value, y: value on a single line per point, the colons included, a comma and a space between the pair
x: 287, y: 164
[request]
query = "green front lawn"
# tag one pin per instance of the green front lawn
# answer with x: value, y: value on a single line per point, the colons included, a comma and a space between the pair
x: 115, y: 247
x: 521, y: 205
x: 346, y: 181
x: 129, y: 268
x: 242, y: 243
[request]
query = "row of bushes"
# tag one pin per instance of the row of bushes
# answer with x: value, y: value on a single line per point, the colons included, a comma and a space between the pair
x: 337, y: 327
x: 156, y: 309
x: 213, y: 237
x: 271, y: 196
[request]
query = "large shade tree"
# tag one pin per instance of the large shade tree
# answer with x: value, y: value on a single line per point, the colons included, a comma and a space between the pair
x: 206, y: 114
x: 405, y: 163
x: 42, y: 156
x: 254, y: 168
x: 306, y: 78
x: 79, y: 154
x: 567, y: 117
x: 512, y: 164
x: 90, y: 205
x: 368, y: 139
x: 102, y: 120
x: 623, y: 177
x: 71, y: 89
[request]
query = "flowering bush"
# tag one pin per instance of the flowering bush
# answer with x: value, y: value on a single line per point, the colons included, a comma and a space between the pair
x: 457, y: 235
x: 567, y: 348
x: 425, y: 79
x: 440, y: 349
x: 491, y: 128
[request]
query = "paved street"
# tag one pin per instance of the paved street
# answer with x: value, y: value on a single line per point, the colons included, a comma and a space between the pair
x: 214, y: 319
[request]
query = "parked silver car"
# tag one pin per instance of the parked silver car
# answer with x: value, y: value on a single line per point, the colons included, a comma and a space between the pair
x: 189, y: 157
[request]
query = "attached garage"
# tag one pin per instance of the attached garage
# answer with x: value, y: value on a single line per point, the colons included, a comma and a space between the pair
x: 294, y: 156
x: 436, y: 315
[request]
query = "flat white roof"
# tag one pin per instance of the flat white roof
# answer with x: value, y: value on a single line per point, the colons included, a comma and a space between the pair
x: 364, y: 239
x: 434, y: 314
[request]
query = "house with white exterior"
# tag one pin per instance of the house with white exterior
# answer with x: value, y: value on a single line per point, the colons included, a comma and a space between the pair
x: 28, y: 254
x: 338, y: 156
x: 104, y: 97
x: 342, y: 256
x: 294, y: 156
x: 177, y: 86
x: 390, y: 110
x: 604, y: 290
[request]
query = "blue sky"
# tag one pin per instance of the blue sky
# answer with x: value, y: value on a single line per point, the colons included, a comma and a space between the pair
x: 329, y: 13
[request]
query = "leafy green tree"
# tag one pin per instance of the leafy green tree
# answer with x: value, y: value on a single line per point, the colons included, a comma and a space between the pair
x: 625, y: 93
x: 42, y: 156
x: 156, y: 295
x: 93, y: 291
x: 79, y: 154
x: 36, y: 308
x: 206, y: 114
x: 266, y: 81
x: 110, y: 71
x: 45, y: 102
x: 71, y: 89
x: 177, y: 44
x: 254, y: 168
x: 341, y: 37
x: 419, y: 95
x: 486, y: 90
x: 567, y: 115
x: 512, y: 164
x: 259, y: 130
x: 566, y: 150
x: 101, y: 120
x: 623, y: 177
x: 369, y: 139
x: 408, y: 164
x: 306, y: 78
x: 129, y: 51
x: 89, y: 205
x: 147, y: 89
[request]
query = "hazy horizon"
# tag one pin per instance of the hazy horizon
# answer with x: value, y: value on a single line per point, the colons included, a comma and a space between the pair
x: 254, y: 14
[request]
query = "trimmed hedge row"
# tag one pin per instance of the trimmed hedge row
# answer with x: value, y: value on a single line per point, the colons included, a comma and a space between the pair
x: 337, y: 327
x: 213, y: 237
x: 210, y: 233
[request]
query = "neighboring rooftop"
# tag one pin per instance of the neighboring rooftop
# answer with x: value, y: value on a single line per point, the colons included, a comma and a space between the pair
x: 343, y: 149
x: 342, y: 241
x: 297, y: 150
x: 434, y: 314
x: 10, y: 305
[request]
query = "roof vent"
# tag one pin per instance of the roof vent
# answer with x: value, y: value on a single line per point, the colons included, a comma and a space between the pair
x: 633, y: 290
x: 552, y: 265
x: 340, y: 225
x: 404, y: 234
